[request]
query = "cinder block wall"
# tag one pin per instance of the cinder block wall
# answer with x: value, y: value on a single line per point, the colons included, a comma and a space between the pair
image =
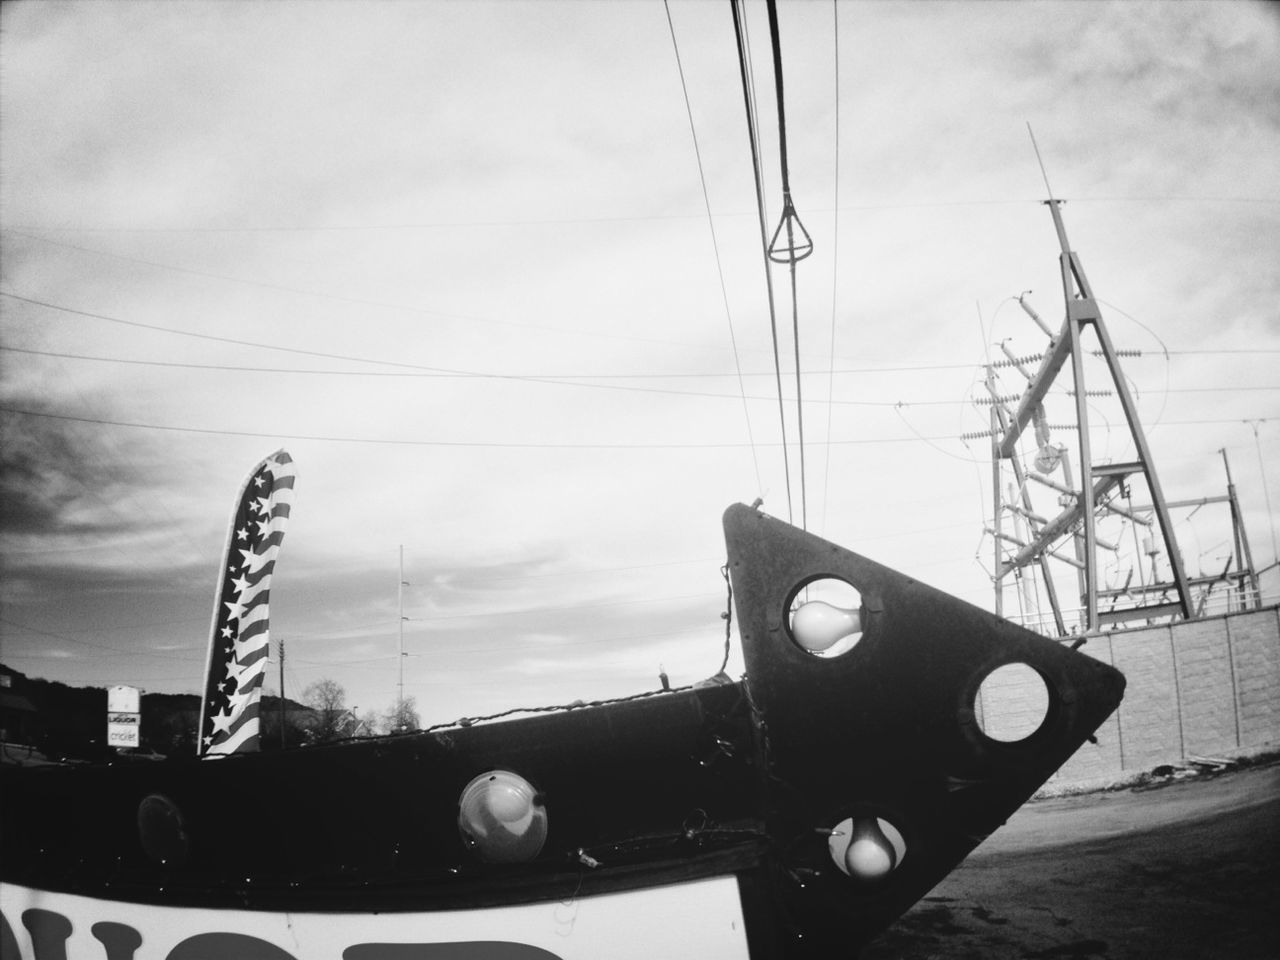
x: 1257, y: 670
x: 1202, y: 688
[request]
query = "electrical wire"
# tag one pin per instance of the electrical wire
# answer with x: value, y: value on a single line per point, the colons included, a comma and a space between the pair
x: 572, y: 379
x: 627, y: 218
x: 429, y: 373
x: 1262, y: 470
x: 86, y: 643
x: 418, y: 370
x: 1163, y: 349
x: 739, y: 30
x: 100, y: 540
x: 835, y: 271
x: 342, y: 298
x: 526, y: 445
x: 793, y: 254
x: 715, y: 246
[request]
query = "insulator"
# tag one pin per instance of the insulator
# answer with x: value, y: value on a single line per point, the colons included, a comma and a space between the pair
x: 988, y: 401
x: 1032, y: 358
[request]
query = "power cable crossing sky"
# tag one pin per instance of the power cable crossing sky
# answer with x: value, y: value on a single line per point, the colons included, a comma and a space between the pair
x: 493, y: 277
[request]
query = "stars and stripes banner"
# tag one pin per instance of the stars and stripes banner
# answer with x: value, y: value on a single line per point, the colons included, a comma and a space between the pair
x: 239, y: 640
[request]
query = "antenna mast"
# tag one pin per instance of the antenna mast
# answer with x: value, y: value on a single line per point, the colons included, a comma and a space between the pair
x: 400, y: 623
x: 280, y: 641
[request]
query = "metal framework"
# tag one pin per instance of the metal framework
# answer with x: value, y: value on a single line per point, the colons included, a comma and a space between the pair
x: 1096, y: 481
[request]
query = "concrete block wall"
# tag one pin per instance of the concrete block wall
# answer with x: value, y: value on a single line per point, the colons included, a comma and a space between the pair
x: 1149, y: 720
x: 1201, y: 688
x: 1257, y: 665
x: 1098, y: 761
x: 1204, y: 659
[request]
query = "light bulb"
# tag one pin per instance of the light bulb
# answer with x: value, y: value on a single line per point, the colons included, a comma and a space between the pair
x: 502, y: 818
x: 866, y: 848
x: 818, y: 626
x: 510, y: 803
x: 870, y: 855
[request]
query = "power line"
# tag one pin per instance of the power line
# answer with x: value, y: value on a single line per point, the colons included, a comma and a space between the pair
x: 591, y: 571
x: 793, y: 254
x: 23, y: 228
x: 138, y: 626
x: 442, y: 371
x: 739, y: 28
x: 446, y: 371
x: 341, y: 298
x: 574, y: 381
x: 419, y: 369
x: 100, y: 539
x: 1197, y: 353
x: 835, y: 268
x: 522, y: 378
x: 715, y: 246
x: 94, y: 646
x: 218, y: 339
x: 698, y: 628
x: 568, y: 379
x: 467, y: 650
x: 430, y: 373
x: 518, y: 445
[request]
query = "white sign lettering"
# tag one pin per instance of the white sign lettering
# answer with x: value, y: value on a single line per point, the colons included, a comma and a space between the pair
x: 700, y: 919
x: 123, y: 715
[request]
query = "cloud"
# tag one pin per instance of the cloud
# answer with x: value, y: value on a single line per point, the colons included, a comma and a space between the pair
x: 512, y: 189
x: 58, y: 477
x: 1187, y: 79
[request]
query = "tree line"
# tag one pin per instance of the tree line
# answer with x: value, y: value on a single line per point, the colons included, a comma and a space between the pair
x: 334, y: 720
x: 65, y: 722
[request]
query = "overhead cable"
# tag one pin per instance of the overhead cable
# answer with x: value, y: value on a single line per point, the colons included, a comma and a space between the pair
x: 343, y: 298
x: 582, y: 379
x: 835, y: 262
x: 517, y: 445
x: 739, y: 30
x: 792, y: 253
x: 464, y: 375
x: 715, y: 246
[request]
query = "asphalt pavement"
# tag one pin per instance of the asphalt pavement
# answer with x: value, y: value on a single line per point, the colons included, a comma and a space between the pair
x: 1187, y: 869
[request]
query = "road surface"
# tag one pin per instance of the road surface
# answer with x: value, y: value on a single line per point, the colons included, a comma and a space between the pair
x: 1189, y: 870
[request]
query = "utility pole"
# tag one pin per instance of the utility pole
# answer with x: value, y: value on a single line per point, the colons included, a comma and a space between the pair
x: 1244, y: 556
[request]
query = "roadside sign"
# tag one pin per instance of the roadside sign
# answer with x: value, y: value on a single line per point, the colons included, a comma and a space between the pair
x: 123, y: 717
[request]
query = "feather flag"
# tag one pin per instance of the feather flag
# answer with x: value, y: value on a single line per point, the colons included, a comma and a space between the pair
x: 239, y: 639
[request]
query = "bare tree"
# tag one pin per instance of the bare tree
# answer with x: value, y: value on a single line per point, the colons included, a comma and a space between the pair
x: 329, y: 700
x: 402, y: 717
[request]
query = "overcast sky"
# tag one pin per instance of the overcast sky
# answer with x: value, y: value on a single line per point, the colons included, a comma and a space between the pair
x: 469, y: 265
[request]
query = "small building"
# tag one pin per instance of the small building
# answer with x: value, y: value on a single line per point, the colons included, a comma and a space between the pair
x: 18, y: 720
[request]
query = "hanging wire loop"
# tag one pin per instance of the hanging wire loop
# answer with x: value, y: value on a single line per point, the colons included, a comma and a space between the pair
x: 794, y: 251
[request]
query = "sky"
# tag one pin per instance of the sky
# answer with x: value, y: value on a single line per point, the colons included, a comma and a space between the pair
x: 493, y: 275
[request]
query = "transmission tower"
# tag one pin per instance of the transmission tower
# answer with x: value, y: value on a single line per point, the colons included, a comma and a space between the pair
x: 1084, y: 496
